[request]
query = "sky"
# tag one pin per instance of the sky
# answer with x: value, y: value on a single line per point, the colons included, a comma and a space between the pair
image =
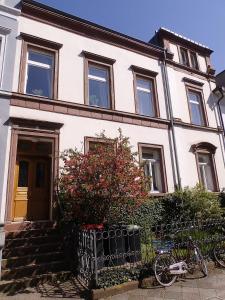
x: 200, y: 20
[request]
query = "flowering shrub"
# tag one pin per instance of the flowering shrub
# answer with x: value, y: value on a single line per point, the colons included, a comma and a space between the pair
x: 105, y: 177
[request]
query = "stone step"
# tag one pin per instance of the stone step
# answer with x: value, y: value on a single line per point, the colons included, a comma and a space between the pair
x: 30, y: 225
x: 31, y: 233
x: 33, y: 249
x: 31, y: 241
x: 14, y: 262
x: 13, y: 286
x: 33, y: 270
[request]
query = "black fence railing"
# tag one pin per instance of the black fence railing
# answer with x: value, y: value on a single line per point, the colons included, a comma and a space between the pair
x: 117, y: 254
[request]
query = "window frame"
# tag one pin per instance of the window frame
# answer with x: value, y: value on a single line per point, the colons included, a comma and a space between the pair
x: 44, y: 47
x: 209, y: 149
x: 197, y: 90
x: 104, y: 63
x: 160, y: 149
x: 189, y: 51
x: 149, y: 75
x: 88, y: 139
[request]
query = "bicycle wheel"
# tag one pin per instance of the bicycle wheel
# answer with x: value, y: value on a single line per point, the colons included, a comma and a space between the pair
x: 200, y: 261
x: 161, y: 269
x: 219, y: 253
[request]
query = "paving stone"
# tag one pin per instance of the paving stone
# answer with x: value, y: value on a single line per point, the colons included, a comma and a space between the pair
x: 207, y: 293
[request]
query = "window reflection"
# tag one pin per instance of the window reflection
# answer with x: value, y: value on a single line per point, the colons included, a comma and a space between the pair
x: 23, y: 173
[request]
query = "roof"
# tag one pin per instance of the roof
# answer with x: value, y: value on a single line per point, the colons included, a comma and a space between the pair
x: 163, y: 32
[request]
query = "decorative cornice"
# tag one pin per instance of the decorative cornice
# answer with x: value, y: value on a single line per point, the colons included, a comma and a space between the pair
x: 81, y: 110
x: 4, y: 30
x: 205, y: 146
x: 10, y: 10
x: 192, y: 81
x: 189, y: 70
x: 178, y: 122
x: 143, y: 71
x: 51, y: 16
x: 40, y: 42
x: 34, y: 123
x: 98, y: 57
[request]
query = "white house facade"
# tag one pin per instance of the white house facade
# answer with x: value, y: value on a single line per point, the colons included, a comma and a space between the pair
x: 73, y: 79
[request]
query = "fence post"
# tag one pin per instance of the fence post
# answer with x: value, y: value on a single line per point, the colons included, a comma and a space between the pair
x: 95, y: 258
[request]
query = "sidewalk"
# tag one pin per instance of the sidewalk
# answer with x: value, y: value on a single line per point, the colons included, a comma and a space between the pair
x: 210, y: 288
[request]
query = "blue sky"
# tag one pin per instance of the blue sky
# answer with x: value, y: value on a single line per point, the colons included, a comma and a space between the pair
x: 200, y: 20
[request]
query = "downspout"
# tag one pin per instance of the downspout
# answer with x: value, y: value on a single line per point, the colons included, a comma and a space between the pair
x: 221, y: 90
x: 170, y: 111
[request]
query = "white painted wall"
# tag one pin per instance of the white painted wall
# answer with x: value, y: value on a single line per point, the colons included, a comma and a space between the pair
x: 202, y: 63
x: 179, y: 96
x: 186, y: 138
x: 71, y: 88
x: 71, y: 65
x: 72, y: 136
x: 174, y: 50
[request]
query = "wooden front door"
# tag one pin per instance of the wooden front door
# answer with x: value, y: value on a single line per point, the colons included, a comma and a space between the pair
x: 32, y: 188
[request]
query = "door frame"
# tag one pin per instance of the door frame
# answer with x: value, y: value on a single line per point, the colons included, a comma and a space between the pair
x: 36, y: 129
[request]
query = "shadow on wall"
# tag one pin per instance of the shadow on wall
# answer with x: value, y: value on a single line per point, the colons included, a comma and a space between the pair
x: 4, y: 132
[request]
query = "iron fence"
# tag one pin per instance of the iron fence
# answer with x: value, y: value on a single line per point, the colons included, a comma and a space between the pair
x: 121, y: 253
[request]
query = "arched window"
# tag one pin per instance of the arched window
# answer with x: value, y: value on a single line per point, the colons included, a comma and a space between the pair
x: 204, y: 153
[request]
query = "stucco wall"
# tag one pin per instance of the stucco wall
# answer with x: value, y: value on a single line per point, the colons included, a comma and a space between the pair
x: 179, y: 96
x: 71, y: 65
x: 72, y: 136
x: 186, y: 138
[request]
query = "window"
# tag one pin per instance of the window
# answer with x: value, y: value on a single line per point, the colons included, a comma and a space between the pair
x: 153, y: 162
x: 98, y: 86
x: 197, y: 112
x: 145, y: 97
x: 206, y: 171
x: 194, y: 61
x: 146, y: 101
x: 92, y: 143
x: 39, y: 74
x: 189, y: 58
x: 39, y: 67
x: 205, y: 153
x: 184, y: 57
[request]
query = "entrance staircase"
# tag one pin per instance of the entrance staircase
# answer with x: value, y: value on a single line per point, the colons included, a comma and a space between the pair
x: 34, y: 252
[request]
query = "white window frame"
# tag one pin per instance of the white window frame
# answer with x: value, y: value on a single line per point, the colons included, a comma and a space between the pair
x: 149, y: 163
x: 147, y: 91
x: 98, y: 78
x: 202, y: 166
x: 36, y: 64
x: 199, y: 104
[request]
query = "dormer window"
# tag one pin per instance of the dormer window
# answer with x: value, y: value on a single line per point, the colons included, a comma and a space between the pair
x: 189, y: 58
x: 194, y: 60
x: 184, y: 57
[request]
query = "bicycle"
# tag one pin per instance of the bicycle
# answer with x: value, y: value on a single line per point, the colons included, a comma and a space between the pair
x: 168, y: 266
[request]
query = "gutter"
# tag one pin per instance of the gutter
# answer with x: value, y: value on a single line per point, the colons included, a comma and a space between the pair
x: 170, y: 111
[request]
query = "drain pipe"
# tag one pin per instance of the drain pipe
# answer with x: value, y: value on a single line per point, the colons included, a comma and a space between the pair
x: 221, y: 90
x: 170, y: 110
